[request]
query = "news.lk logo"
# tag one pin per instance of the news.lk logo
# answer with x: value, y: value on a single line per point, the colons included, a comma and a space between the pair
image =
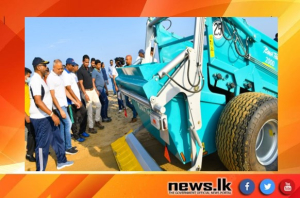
x: 247, y: 186
x: 200, y: 188
x: 267, y: 186
x: 287, y: 186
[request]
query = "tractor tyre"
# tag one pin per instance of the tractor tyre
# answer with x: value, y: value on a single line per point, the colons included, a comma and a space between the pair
x: 247, y: 133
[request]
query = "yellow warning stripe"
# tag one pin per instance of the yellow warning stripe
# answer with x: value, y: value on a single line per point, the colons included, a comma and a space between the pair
x: 269, y: 65
x: 211, y: 46
x: 125, y: 158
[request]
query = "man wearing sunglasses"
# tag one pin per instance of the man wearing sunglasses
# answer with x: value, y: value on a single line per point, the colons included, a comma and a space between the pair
x: 44, y: 121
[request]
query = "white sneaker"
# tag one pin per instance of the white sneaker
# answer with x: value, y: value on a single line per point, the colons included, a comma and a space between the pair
x: 62, y: 165
x: 120, y: 110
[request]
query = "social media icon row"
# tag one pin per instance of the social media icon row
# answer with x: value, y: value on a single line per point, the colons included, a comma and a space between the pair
x: 267, y: 186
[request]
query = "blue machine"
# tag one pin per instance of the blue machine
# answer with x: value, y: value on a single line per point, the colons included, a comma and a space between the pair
x: 181, y: 99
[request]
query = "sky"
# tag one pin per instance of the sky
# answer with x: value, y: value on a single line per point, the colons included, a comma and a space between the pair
x: 103, y: 38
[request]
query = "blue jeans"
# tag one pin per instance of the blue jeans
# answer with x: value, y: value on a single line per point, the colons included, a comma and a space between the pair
x: 113, y: 86
x: 47, y: 134
x: 104, y: 103
x: 65, y: 128
x: 120, y: 102
x: 131, y: 107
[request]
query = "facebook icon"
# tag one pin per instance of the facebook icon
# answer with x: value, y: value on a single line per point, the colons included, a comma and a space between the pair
x: 247, y: 186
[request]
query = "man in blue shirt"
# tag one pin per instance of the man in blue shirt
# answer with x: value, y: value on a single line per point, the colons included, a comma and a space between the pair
x: 101, y: 89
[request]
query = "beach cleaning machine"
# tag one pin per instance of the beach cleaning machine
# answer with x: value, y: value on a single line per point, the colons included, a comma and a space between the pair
x: 212, y: 91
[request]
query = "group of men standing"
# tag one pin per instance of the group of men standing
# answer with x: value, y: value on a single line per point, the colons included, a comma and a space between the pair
x: 62, y: 101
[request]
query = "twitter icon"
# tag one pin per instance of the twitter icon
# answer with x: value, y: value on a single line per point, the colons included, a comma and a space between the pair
x: 267, y: 186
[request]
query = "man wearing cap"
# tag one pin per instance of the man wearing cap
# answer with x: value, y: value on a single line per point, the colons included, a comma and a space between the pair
x: 44, y: 121
x: 75, y: 69
x: 140, y: 57
x: 76, y: 110
x: 90, y: 95
x: 58, y: 93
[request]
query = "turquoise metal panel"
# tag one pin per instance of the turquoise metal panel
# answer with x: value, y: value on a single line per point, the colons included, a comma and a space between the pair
x: 165, y: 38
x: 143, y: 80
x: 178, y: 127
x: 239, y: 70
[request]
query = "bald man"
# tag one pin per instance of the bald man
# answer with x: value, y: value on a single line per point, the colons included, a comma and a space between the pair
x: 128, y: 61
x: 57, y: 88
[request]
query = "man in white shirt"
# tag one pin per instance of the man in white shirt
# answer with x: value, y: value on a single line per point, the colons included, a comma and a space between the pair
x: 151, y: 54
x: 58, y: 93
x: 114, y: 74
x: 77, y: 112
x: 141, y: 56
x: 111, y: 77
x: 44, y: 122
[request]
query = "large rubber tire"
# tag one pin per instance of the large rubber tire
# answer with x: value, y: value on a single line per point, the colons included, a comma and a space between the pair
x: 238, y: 129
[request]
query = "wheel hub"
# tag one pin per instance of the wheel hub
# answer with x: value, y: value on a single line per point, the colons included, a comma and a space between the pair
x: 267, y: 143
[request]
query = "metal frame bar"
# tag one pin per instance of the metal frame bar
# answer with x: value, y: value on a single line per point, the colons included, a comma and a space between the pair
x: 240, y: 24
x: 199, y: 39
x: 157, y: 20
x: 166, y: 69
x: 136, y: 97
x: 145, y: 160
x: 137, y: 130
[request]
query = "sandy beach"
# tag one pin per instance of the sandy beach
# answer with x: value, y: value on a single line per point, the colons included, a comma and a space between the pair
x: 95, y: 154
